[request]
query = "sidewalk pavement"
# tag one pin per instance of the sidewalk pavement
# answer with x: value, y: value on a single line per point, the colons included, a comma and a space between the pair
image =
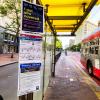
x: 5, y: 59
x: 69, y: 82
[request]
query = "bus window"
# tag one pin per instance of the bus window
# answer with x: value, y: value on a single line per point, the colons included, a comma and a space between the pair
x: 92, y: 43
x: 88, y: 44
x: 83, y: 51
x: 91, y: 50
x: 97, y: 41
x: 96, y: 50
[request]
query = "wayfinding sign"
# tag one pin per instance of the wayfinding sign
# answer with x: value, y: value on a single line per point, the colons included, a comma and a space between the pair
x: 30, y: 62
x: 32, y: 17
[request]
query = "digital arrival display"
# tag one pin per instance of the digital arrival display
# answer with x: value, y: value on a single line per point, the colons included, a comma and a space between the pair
x: 32, y: 17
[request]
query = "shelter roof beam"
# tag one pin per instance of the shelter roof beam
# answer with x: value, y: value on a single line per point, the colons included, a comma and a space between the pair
x: 65, y: 17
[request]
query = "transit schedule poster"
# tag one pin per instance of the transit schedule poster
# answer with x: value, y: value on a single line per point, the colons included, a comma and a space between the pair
x: 32, y: 17
x: 30, y: 62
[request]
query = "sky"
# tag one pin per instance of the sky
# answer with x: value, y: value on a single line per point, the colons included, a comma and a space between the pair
x: 65, y: 40
x: 94, y: 17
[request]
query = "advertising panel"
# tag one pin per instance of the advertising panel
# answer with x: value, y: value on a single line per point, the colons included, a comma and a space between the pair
x: 32, y: 17
x: 30, y: 62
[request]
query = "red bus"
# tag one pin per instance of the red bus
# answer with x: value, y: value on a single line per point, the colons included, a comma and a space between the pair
x: 90, y: 53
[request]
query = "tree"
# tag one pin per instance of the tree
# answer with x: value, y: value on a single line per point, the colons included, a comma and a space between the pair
x: 75, y: 47
x: 11, y: 9
x: 58, y: 44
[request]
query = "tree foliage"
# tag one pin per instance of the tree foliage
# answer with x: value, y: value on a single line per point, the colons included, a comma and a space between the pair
x: 75, y: 47
x: 50, y: 46
x: 11, y: 9
x: 58, y: 43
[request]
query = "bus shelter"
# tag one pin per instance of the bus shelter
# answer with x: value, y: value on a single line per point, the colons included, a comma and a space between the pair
x: 62, y: 16
x: 65, y: 16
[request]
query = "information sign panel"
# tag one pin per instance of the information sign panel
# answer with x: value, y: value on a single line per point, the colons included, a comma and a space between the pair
x: 30, y: 62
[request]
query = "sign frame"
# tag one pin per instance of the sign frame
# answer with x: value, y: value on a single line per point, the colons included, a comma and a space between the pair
x: 22, y: 11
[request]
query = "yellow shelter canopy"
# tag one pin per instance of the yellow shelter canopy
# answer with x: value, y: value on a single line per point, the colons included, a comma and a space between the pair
x: 67, y: 15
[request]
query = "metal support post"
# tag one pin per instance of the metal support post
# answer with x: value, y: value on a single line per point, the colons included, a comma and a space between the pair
x: 53, y: 73
x: 52, y: 60
x: 46, y: 11
x: 44, y: 63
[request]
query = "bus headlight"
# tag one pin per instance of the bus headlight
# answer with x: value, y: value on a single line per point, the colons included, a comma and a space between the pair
x: 97, y: 63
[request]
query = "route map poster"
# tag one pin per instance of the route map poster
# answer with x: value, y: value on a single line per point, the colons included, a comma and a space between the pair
x: 32, y: 17
x: 30, y: 62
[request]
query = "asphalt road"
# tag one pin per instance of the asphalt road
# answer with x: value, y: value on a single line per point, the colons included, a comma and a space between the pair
x: 9, y: 81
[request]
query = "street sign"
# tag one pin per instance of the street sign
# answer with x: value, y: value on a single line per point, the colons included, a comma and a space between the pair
x: 32, y: 17
x: 30, y: 62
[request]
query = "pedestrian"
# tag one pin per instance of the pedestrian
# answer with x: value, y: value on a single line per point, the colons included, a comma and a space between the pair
x: 12, y: 53
x: 1, y: 98
x: 66, y: 52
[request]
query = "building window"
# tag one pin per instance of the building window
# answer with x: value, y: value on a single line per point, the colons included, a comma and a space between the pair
x: 13, y: 37
x: 96, y: 50
x: 6, y: 36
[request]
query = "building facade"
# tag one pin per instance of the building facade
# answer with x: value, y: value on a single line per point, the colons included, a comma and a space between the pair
x: 7, y: 41
x: 85, y: 29
x: 71, y: 42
